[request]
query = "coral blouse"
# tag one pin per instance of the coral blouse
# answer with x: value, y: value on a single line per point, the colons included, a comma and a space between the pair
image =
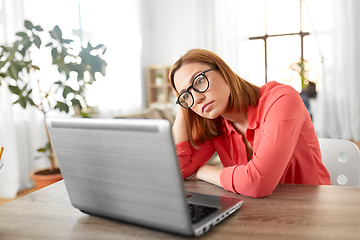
x: 285, y: 147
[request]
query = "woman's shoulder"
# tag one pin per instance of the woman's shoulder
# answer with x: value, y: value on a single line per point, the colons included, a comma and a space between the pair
x: 274, y: 93
x: 274, y: 88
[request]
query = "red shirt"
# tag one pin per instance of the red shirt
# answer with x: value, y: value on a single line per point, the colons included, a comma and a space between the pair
x: 285, y: 147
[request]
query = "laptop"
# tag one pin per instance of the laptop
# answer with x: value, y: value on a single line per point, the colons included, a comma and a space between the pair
x: 127, y: 170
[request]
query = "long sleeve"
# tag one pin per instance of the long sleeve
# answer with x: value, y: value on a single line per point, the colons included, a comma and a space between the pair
x: 190, y: 159
x: 281, y: 122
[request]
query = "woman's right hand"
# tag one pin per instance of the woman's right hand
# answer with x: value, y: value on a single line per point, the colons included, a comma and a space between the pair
x: 179, y: 128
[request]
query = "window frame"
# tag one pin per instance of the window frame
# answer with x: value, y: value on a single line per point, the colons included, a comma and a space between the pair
x: 266, y: 36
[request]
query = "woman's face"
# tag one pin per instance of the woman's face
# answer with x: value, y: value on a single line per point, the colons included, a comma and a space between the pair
x: 211, y: 103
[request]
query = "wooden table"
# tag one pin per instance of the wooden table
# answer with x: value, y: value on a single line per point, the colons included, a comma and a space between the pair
x: 291, y: 212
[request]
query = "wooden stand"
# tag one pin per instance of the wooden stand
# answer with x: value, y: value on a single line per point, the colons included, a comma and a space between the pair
x: 158, y: 87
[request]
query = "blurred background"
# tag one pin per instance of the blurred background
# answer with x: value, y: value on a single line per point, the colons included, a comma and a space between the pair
x: 310, y: 45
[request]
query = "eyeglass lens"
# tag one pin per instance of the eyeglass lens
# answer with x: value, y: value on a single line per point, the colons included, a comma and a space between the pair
x: 200, y: 84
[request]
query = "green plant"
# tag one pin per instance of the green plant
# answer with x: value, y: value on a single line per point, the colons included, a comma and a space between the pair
x: 302, y: 67
x: 16, y: 68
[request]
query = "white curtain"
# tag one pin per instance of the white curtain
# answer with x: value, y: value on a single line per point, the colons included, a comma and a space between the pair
x: 118, y: 27
x: 116, y: 24
x: 221, y: 28
x: 21, y: 130
x: 336, y: 26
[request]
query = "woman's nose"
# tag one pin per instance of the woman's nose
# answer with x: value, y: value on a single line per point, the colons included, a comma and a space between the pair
x: 198, y: 97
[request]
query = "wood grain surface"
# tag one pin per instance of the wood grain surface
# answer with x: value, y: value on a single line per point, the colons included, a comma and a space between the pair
x: 291, y: 212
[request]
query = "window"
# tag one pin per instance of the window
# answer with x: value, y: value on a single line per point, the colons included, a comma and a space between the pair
x: 279, y: 38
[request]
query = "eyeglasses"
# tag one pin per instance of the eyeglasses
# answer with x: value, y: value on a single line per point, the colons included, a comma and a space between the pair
x: 200, y: 84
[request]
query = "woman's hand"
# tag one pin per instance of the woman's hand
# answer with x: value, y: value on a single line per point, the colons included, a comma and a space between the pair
x: 209, y: 174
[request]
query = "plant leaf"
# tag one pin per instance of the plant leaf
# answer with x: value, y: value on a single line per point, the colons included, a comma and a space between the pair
x: 37, y: 41
x: 29, y: 25
x: 13, y: 72
x: 58, y: 83
x: 21, y: 34
x: 67, y: 90
x: 2, y: 63
x: 56, y: 33
x: 47, y: 146
x: 35, y: 67
x: 65, y: 108
x: 62, y: 107
x: 54, y: 54
x: 12, y: 51
x: 49, y: 44
x: 41, y: 150
x: 21, y: 101
x: 38, y: 28
x: 15, y: 89
x: 76, y: 102
x: 31, y: 101
x: 3, y: 75
x: 25, y: 48
x: 99, y: 46
x: 67, y: 41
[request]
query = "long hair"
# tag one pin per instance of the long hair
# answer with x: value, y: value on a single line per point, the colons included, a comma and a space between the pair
x: 242, y: 94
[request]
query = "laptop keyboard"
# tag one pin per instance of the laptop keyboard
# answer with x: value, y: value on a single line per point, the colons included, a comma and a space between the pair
x: 198, y: 212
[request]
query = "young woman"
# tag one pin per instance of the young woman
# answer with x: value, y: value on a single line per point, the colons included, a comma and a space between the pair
x: 263, y: 136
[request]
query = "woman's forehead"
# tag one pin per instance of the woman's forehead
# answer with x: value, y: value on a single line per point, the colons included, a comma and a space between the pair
x: 185, y: 74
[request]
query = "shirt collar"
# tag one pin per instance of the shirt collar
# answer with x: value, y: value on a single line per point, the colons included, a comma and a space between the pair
x: 252, y: 121
x: 229, y: 127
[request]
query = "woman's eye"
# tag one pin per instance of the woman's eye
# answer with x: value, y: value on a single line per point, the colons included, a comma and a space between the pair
x: 185, y: 96
x: 198, y: 81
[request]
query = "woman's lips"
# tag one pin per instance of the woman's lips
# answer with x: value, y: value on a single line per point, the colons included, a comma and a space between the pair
x: 206, y: 107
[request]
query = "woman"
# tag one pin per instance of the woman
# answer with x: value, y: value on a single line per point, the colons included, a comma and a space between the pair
x: 264, y: 136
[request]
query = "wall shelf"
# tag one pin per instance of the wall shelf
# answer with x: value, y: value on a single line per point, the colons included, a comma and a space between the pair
x: 159, y: 90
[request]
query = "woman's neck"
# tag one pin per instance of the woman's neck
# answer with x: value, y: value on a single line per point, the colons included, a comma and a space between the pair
x: 239, y: 120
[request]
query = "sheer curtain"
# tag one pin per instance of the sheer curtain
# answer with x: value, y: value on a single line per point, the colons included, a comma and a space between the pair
x: 21, y: 130
x: 222, y: 29
x: 116, y: 24
x: 336, y: 26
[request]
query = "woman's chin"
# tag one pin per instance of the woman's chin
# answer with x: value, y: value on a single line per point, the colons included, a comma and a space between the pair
x: 210, y: 115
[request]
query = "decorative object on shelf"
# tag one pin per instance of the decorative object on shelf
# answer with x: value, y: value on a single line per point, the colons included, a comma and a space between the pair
x: 16, y: 68
x: 159, y: 80
x: 159, y: 91
x: 1, y: 162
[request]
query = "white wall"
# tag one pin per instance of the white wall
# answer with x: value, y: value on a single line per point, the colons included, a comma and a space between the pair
x: 169, y: 29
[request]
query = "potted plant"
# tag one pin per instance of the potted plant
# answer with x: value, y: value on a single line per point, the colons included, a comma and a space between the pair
x: 16, y: 65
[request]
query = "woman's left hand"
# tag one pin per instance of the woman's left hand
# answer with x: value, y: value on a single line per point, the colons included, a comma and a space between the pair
x: 209, y: 174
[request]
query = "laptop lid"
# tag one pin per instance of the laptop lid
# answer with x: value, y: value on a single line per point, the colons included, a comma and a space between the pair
x: 127, y: 169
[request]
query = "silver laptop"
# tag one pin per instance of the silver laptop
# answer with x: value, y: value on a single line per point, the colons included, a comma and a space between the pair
x: 127, y: 170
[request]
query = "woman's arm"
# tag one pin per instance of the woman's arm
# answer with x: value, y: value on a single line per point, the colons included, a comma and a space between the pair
x: 279, y: 134
x: 190, y: 159
x: 209, y: 174
x: 179, y: 128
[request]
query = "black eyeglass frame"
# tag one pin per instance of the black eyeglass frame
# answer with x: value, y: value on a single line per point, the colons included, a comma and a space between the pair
x: 196, y: 90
